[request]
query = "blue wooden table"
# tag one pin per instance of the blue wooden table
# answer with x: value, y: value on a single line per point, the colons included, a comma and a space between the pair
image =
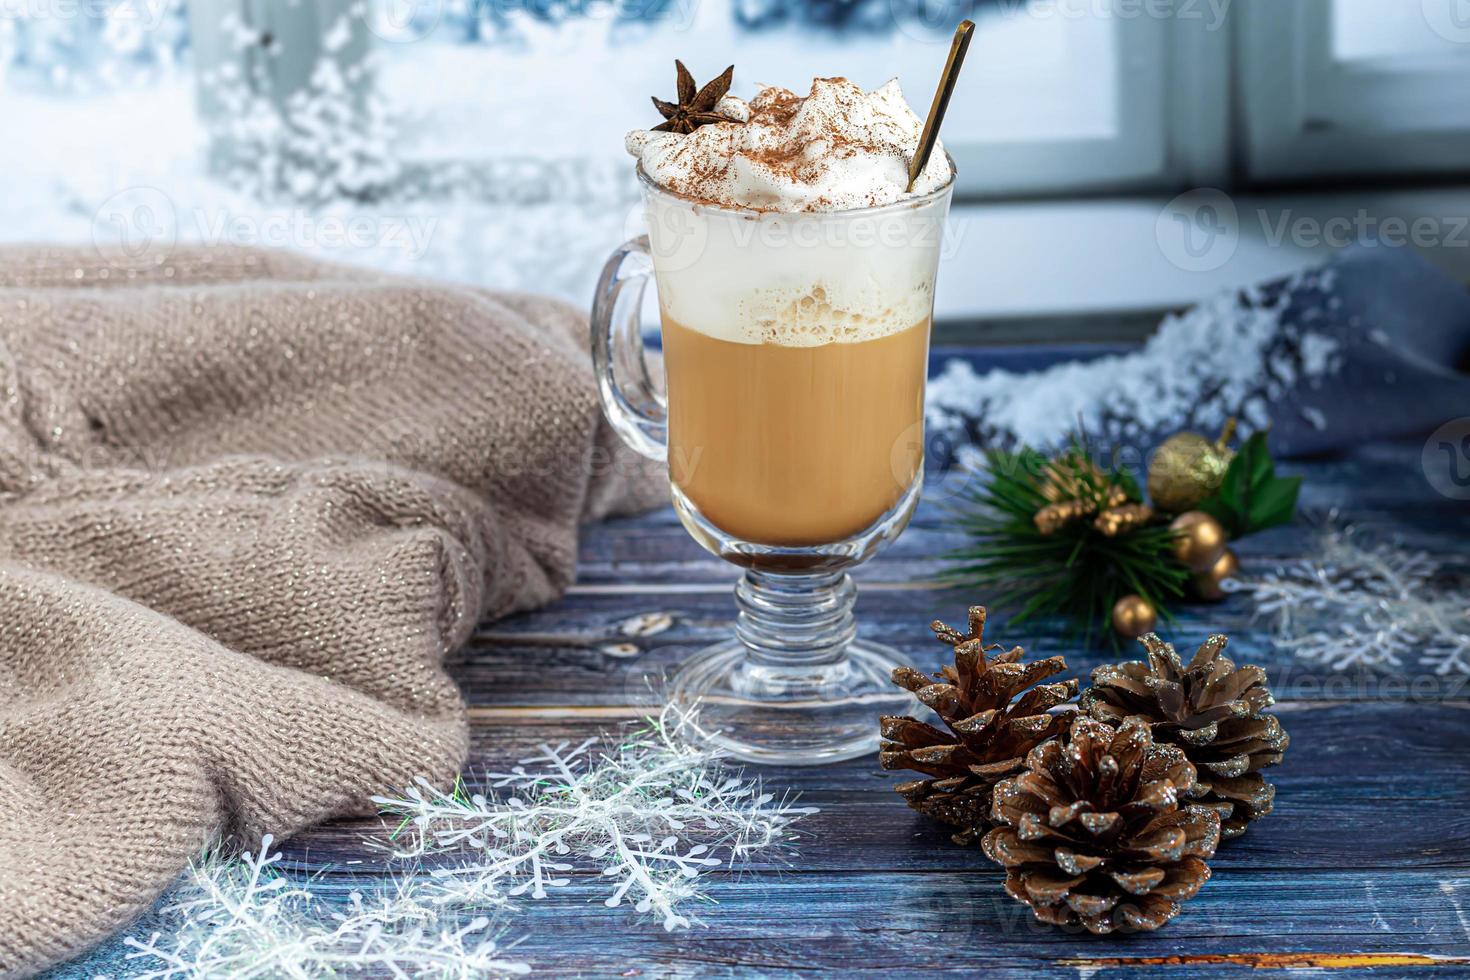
x: 1364, y: 864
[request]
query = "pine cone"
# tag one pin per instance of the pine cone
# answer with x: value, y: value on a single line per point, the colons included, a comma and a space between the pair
x: 1212, y: 710
x: 1095, y: 832
x: 990, y: 728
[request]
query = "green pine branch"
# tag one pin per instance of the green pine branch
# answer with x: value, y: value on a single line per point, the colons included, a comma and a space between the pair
x: 1077, y: 572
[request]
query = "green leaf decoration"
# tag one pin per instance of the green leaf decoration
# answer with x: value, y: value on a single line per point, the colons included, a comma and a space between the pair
x: 1076, y: 572
x: 1252, y: 497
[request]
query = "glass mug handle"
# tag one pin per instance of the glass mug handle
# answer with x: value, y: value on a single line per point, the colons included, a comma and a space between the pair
x: 630, y: 399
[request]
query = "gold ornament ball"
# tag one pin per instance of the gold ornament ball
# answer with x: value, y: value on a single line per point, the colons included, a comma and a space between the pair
x: 1186, y: 469
x: 1207, y: 584
x: 1133, y: 616
x: 1199, y: 540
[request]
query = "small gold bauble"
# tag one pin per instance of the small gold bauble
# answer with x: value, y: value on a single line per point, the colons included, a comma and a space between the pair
x: 1207, y: 584
x: 1133, y: 616
x: 1199, y: 540
x: 1187, y: 468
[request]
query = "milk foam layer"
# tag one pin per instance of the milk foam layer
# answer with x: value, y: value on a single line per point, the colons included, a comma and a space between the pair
x: 836, y: 149
x: 797, y: 280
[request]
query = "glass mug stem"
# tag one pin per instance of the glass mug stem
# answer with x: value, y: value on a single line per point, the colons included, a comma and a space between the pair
x: 794, y: 620
x: 794, y: 456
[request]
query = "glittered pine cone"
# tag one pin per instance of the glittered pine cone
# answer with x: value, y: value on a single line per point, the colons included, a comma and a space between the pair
x: 1098, y: 831
x: 1211, y: 709
x: 990, y: 725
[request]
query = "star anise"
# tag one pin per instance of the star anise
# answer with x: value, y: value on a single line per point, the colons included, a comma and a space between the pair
x: 695, y: 109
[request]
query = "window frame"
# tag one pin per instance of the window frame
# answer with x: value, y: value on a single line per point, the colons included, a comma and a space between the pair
x: 1307, y: 114
x: 1135, y: 155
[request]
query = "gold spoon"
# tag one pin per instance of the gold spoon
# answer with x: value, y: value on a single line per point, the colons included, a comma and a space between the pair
x: 947, y: 80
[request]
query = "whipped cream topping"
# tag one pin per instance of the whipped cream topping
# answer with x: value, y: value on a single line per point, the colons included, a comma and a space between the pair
x: 835, y: 149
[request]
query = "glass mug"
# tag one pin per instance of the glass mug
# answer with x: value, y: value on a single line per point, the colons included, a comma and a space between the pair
x: 791, y: 419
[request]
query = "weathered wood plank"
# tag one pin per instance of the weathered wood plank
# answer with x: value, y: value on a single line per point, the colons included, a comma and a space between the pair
x: 579, y: 651
x: 958, y: 923
x: 1368, y: 786
x: 961, y: 924
x: 627, y: 553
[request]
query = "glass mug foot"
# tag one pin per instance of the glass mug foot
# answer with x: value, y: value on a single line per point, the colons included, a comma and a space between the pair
x: 795, y: 686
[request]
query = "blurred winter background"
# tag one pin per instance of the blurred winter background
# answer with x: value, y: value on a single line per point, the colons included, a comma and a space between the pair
x: 482, y: 139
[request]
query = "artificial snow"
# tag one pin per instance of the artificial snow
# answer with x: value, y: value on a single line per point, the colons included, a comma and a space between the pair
x: 1231, y: 355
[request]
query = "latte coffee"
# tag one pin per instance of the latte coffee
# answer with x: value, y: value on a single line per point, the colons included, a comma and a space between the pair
x: 795, y: 445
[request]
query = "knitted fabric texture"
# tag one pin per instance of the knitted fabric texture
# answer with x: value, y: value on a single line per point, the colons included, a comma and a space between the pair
x: 248, y: 503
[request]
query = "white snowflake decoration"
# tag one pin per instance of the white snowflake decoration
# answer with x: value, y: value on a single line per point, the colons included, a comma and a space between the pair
x: 239, y: 917
x: 1357, y: 604
x: 651, y: 815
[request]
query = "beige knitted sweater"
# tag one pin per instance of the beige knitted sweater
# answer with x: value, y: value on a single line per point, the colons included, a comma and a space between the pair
x: 248, y: 501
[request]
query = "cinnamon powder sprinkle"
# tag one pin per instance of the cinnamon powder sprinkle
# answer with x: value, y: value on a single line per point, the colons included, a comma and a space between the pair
x: 836, y: 148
